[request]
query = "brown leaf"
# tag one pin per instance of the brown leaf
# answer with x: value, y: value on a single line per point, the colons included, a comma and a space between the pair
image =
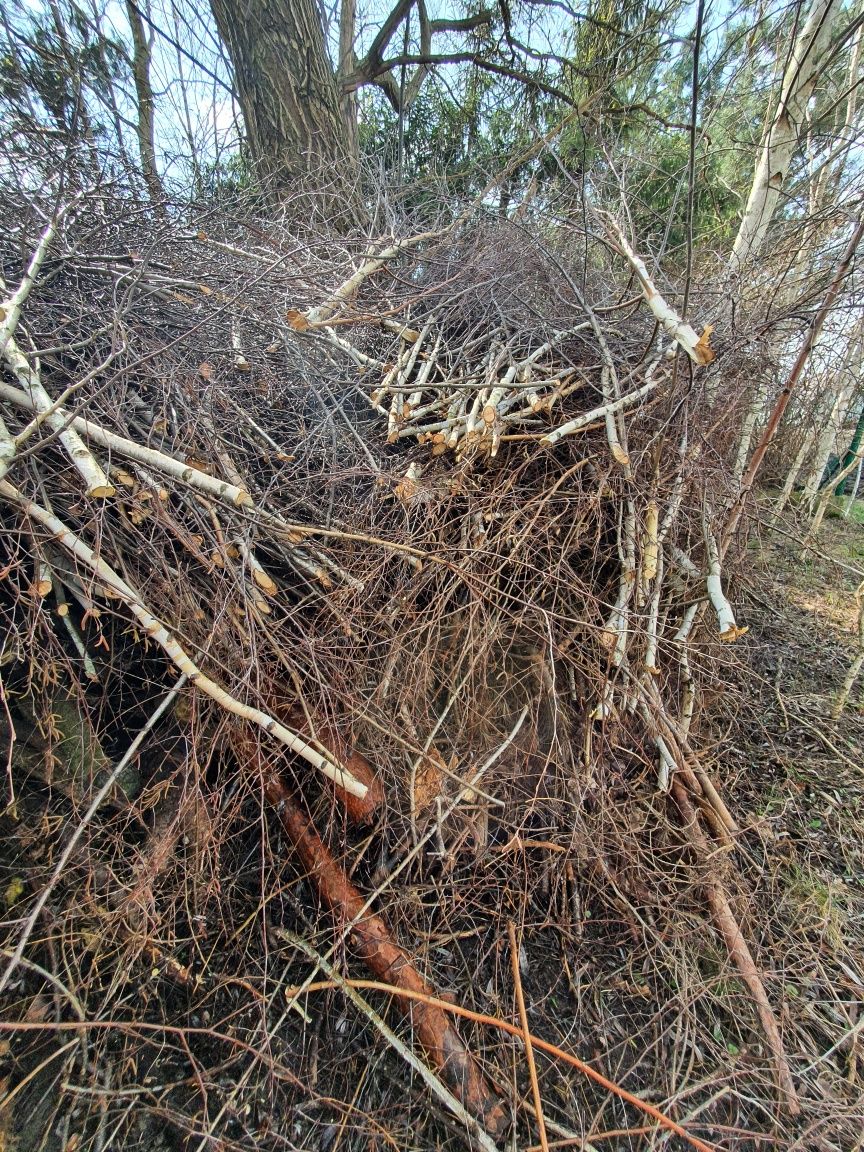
x: 297, y: 320
x: 200, y: 465
x: 205, y: 370
x: 38, y: 1009
x: 427, y: 784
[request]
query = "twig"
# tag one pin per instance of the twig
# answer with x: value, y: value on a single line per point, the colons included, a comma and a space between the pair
x: 95, y: 804
x: 526, y: 1036
x: 363, y: 1006
x: 157, y: 631
x: 543, y: 1046
x: 739, y: 952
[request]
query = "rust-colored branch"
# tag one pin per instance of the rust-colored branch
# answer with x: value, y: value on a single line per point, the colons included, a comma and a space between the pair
x: 374, y: 943
x: 739, y: 952
x: 543, y: 1045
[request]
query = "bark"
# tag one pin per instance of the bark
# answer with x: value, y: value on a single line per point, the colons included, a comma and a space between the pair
x: 142, y: 45
x: 792, y: 379
x: 792, y: 474
x: 374, y: 943
x: 826, y: 441
x: 808, y: 58
x: 348, y: 99
x: 287, y: 90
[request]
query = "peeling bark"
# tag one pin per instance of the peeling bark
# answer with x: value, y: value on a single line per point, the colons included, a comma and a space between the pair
x: 802, y: 73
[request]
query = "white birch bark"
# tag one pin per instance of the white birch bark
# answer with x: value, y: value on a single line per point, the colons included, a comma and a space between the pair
x: 826, y: 441
x: 28, y: 376
x: 115, y: 586
x: 839, y: 397
x: 808, y: 58
x: 755, y: 411
x: 698, y: 348
x: 792, y: 474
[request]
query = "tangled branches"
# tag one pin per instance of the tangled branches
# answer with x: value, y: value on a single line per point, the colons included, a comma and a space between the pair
x: 392, y: 495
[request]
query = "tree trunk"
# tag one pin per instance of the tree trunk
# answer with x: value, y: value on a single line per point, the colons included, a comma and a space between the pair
x: 142, y: 50
x: 805, y: 65
x: 287, y: 89
x: 347, y: 62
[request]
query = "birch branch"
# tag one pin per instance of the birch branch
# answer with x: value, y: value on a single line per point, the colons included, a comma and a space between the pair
x: 156, y: 630
x: 300, y: 321
x: 729, y: 630
x: 599, y: 413
x: 28, y: 376
x: 132, y: 450
x: 11, y: 307
x: 698, y: 348
x: 7, y: 448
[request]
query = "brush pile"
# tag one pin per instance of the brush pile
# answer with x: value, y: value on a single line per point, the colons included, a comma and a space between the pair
x: 430, y: 531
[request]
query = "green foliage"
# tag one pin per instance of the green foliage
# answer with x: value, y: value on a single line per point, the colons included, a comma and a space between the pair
x: 458, y: 132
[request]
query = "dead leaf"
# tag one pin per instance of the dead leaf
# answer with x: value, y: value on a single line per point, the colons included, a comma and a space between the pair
x: 38, y: 1010
x: 205, y: 370
x: 734, y: 633
x: 429, y: 779
x: 14, y: 891
x: 619, y: 455
x: 200, y: 465
x: 297, y: 320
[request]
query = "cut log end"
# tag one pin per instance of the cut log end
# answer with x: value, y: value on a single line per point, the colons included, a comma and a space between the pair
x: 101, y: 491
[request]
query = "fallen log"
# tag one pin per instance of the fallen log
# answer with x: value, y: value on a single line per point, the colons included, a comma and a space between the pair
x: 374, y: 943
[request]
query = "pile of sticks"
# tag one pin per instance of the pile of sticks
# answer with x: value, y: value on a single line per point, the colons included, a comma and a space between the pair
x: 215, y: 445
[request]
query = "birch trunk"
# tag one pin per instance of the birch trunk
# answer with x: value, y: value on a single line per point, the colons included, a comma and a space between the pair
x: 809, y: 56
x: 827, y: 440
x: 792, y: 474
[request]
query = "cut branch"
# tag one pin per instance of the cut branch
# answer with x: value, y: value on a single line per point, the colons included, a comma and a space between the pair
x: 156, y: 631
x: 698, y: 348
x: 374, y: 943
